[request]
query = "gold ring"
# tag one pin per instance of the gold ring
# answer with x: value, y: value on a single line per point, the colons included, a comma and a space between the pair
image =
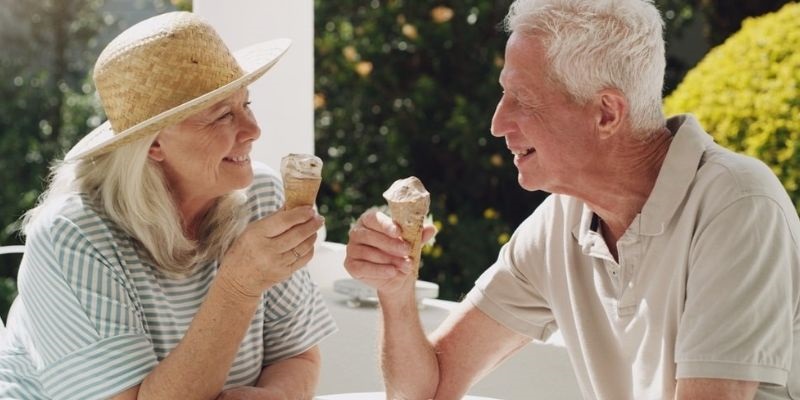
x: 296, y: 255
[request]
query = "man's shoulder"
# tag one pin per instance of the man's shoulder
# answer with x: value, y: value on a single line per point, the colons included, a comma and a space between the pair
x: 735, y: 175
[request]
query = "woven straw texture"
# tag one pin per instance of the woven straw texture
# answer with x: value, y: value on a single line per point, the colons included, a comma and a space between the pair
x: 162, y: 70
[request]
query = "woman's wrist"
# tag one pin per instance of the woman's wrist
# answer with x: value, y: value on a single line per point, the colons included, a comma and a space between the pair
x: 235, y: 290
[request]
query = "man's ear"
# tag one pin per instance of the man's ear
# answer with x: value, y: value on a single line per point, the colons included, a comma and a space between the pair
x: 156, y: 152
x: 613, y: 112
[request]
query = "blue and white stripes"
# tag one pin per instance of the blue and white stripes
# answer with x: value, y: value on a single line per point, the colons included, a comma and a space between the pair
x: 95, y: 318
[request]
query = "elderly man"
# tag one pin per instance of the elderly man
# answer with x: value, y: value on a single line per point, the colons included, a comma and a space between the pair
x: 670, y: 265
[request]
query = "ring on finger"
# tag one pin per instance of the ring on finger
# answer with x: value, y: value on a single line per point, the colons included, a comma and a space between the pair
x: 296, y: 254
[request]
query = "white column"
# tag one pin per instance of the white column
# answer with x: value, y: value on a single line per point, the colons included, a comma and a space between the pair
x: 283, y: 100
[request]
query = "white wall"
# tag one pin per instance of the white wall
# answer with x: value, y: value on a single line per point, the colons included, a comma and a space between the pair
x: 283, y: 100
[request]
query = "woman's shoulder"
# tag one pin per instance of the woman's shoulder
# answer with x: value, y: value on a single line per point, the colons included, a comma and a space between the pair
x: 265, y: 179
x: 69, y: 218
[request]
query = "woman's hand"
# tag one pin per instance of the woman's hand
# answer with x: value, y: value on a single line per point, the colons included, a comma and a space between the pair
x: 377, y: 254
x: 270, y: 250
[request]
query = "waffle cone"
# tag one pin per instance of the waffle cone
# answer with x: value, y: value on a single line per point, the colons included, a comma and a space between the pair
x: 300, y: 192
x: 409, y: 215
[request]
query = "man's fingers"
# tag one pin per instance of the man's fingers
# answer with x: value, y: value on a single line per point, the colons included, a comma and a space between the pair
x: 362, y: 235
x: 363, y: 270
x: 428, y: 232
x: 376, y: 256
x: 378, y: 221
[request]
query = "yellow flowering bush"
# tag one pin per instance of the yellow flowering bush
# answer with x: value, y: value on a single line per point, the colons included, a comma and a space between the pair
x: 746, y: 93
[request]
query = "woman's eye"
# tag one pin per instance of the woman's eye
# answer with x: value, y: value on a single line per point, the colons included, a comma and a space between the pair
x: 225, y: 116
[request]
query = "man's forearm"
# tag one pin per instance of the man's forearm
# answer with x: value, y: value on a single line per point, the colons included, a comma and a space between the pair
x: 409, y: 363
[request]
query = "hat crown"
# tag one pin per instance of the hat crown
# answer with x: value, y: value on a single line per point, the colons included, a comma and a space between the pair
x: 159, y: 64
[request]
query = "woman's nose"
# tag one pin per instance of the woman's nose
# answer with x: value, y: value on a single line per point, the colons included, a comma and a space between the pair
x: 249, y: 129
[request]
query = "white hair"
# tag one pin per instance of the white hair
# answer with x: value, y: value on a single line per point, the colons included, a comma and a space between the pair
x: 130, y: 189
x: 598, y: 44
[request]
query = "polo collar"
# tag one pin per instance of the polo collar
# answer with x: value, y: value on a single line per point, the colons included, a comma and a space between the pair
x: 677, y: 172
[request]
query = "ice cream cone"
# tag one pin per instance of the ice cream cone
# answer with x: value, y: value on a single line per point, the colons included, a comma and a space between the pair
x: 408, y: 203
x: 301, y: 179
x: 300, y: 192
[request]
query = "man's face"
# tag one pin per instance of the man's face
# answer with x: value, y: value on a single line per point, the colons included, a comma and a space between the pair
x: 551, y: 137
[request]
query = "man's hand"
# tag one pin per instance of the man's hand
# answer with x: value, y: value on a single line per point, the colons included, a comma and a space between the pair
x: 377, y: 255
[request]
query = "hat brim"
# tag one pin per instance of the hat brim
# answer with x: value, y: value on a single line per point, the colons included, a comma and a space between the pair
x: 255, y: 61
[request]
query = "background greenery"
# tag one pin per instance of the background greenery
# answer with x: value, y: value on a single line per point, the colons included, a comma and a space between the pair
x: 402, y: 88
x: 755, y: 81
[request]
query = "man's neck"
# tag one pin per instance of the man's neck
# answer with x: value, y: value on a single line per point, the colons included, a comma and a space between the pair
x: 627, y: 179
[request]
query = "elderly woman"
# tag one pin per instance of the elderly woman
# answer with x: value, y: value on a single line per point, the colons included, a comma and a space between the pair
x: 160, y: 264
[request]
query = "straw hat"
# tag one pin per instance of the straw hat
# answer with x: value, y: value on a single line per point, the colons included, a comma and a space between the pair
x: 161, y: 71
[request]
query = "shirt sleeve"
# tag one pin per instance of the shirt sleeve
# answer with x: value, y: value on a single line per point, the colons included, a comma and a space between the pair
x: 295, y: 318
x: 85, y: 335
x: 738, y: 316
x: 509, y: 291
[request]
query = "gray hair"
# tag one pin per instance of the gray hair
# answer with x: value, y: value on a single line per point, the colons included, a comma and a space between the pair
x: 598, y: 44
x: 130, y: 189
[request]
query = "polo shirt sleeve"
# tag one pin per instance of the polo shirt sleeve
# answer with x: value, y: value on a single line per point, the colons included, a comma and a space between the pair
x: 509, y: 291
x: 738, y: 316
x: 295, y: 318
x: 85, y: 335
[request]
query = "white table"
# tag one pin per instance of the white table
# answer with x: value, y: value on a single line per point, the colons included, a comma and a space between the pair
x: 350, y: 356
x: 378, y: 396
x: 350, y: 359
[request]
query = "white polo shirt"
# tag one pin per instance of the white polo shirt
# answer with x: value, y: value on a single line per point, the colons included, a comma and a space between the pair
x: 707, y: 283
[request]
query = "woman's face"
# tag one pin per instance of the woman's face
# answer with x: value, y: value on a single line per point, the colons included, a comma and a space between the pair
x: 208, y: 154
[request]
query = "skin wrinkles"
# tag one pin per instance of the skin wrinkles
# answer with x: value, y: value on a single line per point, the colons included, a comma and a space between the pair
x: 193, y: 155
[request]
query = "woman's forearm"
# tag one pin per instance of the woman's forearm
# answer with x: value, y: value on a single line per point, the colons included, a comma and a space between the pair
x: 198, y: 366
x: 297, y: 376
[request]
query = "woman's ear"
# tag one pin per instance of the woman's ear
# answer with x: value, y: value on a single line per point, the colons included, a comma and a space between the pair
x: 156, y: 152
x: 613, y: 111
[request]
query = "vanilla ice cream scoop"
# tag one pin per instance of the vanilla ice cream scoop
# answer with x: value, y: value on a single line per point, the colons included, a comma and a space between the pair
x: 302, y: 175
x: 301, y: 166
x: 409, y: 202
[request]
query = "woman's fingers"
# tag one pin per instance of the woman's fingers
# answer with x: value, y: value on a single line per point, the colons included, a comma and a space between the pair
x: 282, y: 221
x: 303, y: 251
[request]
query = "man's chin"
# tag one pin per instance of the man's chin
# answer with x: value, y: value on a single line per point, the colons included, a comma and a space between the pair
x: 527, y: 184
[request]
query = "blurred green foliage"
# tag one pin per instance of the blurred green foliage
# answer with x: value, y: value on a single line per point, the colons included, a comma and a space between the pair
x: 746, y: 92
x: 49, y: 47
x: 409, y: 88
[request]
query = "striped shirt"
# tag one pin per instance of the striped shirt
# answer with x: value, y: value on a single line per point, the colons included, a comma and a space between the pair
x: 93, y: 317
